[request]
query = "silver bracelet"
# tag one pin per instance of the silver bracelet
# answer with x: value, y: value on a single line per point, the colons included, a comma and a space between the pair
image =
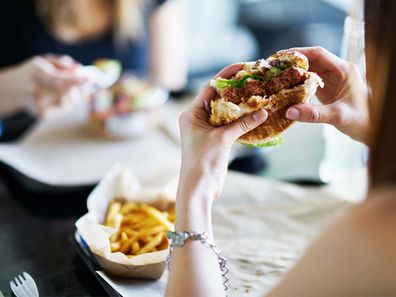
x: 180, y: 238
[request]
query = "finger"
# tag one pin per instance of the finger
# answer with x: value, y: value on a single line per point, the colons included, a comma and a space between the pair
x: 53, y: 78
x: 208, y: 93
x: 229, y: 71
x: 48, y: 104
x: 320, y: 59
x: 62, y: 62
x: 58, y: 82
x: 45, y: 101
x: 311, y: 113
x: 245, y: 124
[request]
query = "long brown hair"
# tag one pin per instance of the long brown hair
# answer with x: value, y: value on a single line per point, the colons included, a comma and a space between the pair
x: 380, y: 31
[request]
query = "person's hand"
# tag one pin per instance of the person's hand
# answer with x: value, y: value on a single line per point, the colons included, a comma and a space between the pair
x: 48, y: 83
x: 205, y: 149
x: 343, y: 98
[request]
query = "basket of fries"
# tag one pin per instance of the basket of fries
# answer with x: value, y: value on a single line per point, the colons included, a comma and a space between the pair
x: 126, y: 225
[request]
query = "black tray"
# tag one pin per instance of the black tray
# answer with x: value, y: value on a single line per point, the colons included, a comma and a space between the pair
x: 43, y: 199
x: 90, y: 261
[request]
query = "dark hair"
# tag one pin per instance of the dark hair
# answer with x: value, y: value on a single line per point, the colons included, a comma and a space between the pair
x: 380, y: 25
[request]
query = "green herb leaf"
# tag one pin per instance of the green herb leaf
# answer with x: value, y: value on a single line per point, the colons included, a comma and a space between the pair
x: 110, y: 67
x: 274, y: 142
x: 222, y: 83
x: 273, y: 72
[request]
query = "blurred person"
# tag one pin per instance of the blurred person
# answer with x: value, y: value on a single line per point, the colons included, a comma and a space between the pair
x: 146, y: 36
x: 355, y: 256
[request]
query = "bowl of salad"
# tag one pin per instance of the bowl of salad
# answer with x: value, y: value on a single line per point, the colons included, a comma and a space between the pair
x: 127, y: 109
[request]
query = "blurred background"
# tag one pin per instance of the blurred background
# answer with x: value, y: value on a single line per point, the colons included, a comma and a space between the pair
x: 224, y: 31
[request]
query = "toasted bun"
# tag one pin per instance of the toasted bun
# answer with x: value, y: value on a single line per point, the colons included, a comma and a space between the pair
x: 296, y: 59
x: 223, y: 112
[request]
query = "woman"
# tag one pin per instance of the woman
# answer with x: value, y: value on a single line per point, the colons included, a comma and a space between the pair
x: 354, y: 257
x: 136, y: 32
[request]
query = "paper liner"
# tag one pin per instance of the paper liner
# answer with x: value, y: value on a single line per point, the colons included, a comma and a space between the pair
x: 121, y: 183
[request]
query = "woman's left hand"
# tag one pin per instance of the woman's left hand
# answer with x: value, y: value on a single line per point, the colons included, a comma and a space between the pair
x: 206, y: 149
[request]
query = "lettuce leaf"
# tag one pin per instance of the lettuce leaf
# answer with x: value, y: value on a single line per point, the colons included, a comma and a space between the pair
x: 110, y: 67
x: 274, y: 71
x: 222, y: 83
x: 274, y: 142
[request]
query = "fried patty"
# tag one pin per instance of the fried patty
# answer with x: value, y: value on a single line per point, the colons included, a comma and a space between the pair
x: 289, y: 78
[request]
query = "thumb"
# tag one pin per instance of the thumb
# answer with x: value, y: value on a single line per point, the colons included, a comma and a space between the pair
x: 311, y: 113
x: 245, y: 124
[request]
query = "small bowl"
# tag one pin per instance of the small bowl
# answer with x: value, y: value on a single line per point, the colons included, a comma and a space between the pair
x: 126, y: 122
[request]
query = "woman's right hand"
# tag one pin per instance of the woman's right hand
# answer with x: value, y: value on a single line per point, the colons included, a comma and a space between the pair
x: 344, y: 96
x: 205, y: 153
x: 45, y: 84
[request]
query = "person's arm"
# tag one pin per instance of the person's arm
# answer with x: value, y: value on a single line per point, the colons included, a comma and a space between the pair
x: 40, y: 84
x: 12, y: 98
x: 355, y: 257
x: 168, y: 45
x: 344, y: 96
x: 194, y: 269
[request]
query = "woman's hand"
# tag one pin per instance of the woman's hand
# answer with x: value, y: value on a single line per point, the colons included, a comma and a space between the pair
x: 343, y: 98
x: 42, y: 84
x: 205, y: 149
x: 52, y: 82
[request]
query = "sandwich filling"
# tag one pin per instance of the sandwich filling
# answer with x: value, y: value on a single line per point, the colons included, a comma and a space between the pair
x: 274, y: 84
x: 262, y: 80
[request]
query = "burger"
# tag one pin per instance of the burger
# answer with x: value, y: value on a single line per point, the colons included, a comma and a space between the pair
x: 274, y: 84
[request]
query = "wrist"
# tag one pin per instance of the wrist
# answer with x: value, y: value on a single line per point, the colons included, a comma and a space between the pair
x: 203, y: 175
x: 194, y: 215
x: 10, y: 88
x: 197, y: 186
x: 25, y: 94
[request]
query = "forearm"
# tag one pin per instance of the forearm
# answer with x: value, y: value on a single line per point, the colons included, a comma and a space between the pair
x: 12, y: 96
x: 194, y: 269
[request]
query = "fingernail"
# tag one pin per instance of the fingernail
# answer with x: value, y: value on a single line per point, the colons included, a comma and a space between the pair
x: 293, y: 113
x: 206, y: 106
x: 259, y: 115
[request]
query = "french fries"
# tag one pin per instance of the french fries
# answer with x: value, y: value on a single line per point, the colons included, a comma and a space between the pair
x: 141, y: 228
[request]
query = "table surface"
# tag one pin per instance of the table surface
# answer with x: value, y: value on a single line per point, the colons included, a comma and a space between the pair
x: 36, y: 238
